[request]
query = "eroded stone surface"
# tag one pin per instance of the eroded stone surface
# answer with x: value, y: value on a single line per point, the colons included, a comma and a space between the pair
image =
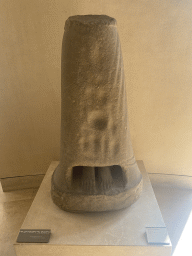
x: 95, y: 136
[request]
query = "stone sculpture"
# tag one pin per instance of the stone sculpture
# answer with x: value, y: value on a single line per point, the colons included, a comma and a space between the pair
x: 97, y: 169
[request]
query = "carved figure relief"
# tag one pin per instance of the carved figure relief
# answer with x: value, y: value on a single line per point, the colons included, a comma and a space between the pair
x: 97, y: 169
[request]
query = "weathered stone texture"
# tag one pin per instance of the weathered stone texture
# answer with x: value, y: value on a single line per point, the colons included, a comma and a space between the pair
x: 94, y: 121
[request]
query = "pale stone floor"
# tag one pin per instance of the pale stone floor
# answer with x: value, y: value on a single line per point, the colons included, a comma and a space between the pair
x: 175, y: 204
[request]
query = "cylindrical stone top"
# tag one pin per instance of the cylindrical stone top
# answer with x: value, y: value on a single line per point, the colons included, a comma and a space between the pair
x: 90, y: 20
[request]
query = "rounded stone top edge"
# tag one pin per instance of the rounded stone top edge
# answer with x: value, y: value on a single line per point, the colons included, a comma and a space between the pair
x: 91, y: 20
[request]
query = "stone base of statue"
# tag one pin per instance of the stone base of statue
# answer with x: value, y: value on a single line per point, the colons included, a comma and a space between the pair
x: 122, y: 232
x: 115, y: 198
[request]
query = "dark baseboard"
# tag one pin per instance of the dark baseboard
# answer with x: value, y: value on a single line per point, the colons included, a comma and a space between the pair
x: 21, y: 182
x: 171, y: 180
x: 157, y: 179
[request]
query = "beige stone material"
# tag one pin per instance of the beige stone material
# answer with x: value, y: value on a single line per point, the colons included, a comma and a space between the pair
x: 97, y: 170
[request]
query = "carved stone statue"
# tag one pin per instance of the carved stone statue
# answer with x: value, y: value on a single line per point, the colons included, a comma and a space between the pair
x: 97, y: 169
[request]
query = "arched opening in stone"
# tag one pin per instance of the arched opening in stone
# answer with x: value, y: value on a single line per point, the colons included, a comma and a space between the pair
x: 98, y: 180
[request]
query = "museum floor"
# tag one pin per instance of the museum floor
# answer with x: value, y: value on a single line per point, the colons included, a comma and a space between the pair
x: 175, y: 204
